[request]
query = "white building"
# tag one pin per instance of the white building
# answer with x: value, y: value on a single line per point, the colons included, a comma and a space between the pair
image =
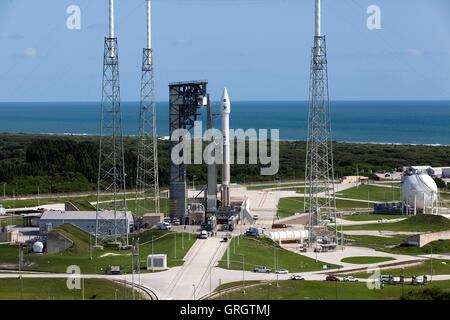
x: 86, y: 220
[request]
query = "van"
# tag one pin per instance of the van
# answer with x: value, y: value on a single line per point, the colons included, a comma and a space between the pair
x: 203, y: 234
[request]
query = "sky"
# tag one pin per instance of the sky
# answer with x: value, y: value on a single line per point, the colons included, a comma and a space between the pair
x: 258, y: 49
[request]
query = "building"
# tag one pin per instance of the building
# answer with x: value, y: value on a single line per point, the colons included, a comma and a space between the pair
x: 86, y: 220
x: 354, y: 179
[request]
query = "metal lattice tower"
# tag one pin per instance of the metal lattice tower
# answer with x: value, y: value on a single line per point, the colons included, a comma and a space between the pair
x: 111, y: 169
x: 147, y: 182
x: 319, y: 174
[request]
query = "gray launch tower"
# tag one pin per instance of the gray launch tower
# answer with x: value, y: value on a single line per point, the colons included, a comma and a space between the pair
x: 320, y: 200
x: 185, y: 100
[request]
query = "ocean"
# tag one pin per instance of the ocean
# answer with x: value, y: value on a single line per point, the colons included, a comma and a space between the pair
x: 399, y: 122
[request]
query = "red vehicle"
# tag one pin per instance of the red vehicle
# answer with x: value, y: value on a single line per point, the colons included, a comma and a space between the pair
x: 332, y: 278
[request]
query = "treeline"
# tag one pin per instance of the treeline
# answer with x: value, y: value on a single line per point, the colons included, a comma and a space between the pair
x: 57, y: 164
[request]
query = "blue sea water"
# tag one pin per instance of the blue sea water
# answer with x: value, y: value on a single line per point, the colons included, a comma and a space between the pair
x: 403, y: 122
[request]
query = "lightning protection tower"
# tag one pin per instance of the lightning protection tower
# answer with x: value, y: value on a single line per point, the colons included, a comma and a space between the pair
x: 320, y: 200
x: 147, y: 183
x: 111, y: 169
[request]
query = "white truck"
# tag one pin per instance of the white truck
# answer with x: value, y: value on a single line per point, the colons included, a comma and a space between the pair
x: 203, y: 234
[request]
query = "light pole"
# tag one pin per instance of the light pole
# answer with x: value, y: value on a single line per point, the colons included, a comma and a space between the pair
x: 243, y: 274
x: 431, y: 263
x: 90, y: 246
x: 403, y: 282
x: 193, y: 181
x: 175, y: 246
x: 153, y: 240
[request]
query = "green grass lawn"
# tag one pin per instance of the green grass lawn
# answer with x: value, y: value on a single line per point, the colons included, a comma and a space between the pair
x: 422, y: 268
x: 371, y: 217
x: 374, y: 242
x: 419, y: 223
x: 82, y: 205
x: 149, y: 206
x: 371, y: 193
x: 78, y: 254
x: 439, y: 246
x: 261, y: 252
x: 366, y: 260
x: 322, y: 290
x: 56, y: 289
x: 289, y: 206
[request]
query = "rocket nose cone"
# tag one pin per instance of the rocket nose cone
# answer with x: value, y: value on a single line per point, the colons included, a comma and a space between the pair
x: 225, y: 97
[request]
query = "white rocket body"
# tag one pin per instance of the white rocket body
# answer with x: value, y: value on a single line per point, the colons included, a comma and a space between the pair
x: 111, y: 19
x: 149, y: 31
x: 112, y: 33
x: 317, y: 31
x: 225, y: 107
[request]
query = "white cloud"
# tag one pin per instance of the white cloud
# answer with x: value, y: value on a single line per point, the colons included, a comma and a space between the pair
x: 30, y: 52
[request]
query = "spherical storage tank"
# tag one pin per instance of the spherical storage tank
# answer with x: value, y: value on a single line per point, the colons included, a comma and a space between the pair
x: 421, y: 190
x: 38, y: 247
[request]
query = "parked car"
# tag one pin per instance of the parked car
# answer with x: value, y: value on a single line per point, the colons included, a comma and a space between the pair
x: 253, y: 232
x: 419, y: 280
x: 303, y: 249
x: 282, y: 271
x: 164, y: 226
x: 203, y: 234
x: 396, y: 280
x: 297, y: 277
x: 255, y: 217
x: 386, y: 278
x: 350, y: 279
x: 176, y: 221
x: 332, y: 278
x: 262, y: 269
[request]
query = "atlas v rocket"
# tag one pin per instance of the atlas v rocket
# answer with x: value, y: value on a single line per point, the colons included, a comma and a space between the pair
x: 225, y: 114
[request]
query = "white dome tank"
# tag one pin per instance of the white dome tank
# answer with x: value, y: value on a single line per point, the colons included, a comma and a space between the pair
x: 421, y: 190
x: 38, y: 247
